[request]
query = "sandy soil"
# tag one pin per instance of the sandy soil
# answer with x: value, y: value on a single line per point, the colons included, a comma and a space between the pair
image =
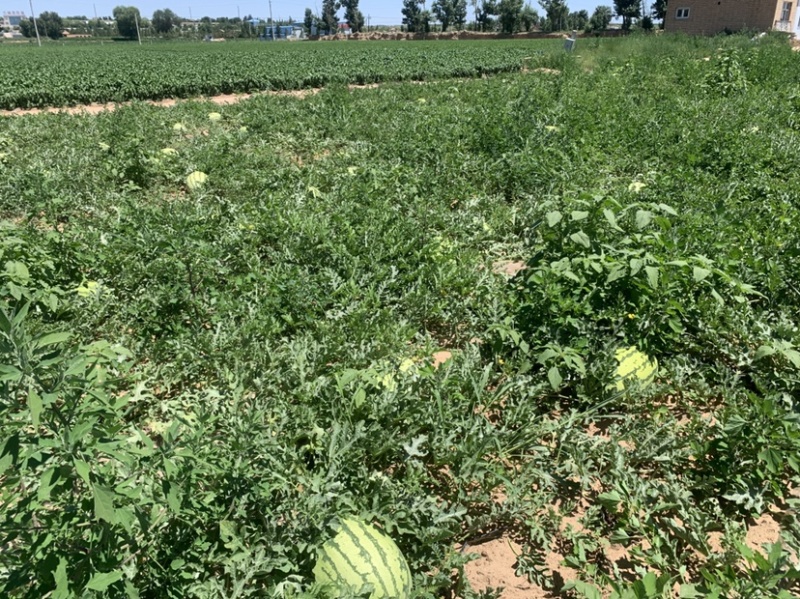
x: 220, y: 100
x: 496, y: 562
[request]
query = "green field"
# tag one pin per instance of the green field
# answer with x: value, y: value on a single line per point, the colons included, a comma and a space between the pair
x: 57, y: 75
x: 197, y: 381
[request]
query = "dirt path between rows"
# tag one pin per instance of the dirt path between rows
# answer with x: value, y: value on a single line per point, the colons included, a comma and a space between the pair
x: 221, y: 100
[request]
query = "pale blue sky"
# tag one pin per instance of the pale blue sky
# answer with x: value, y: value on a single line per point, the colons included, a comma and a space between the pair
x: 383, y: 12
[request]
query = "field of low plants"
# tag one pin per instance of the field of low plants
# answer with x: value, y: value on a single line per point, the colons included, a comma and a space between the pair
x: 58, y: 75
x: 224, y: 330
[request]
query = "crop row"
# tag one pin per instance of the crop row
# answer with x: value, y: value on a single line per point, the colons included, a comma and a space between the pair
x: 64, y: 75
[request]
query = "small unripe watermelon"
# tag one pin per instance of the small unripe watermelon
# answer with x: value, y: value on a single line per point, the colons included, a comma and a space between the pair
x: 634, y: 367
x: 360, y: 558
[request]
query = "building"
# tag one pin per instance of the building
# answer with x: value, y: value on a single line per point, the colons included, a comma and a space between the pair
x: 12, y: 18
x: 709, y: 17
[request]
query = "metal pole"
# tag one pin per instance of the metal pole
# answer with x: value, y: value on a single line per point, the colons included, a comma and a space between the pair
x: 271, y: 22
x: 138, y: 33
x: 35, y: 26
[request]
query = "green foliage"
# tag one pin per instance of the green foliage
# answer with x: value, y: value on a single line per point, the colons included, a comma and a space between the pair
x: 601, y: 18
x: 127, y: 18
x: 121, y: 72
x: 508, y: 12
x: 578, y: 20
x: 330, y: 20
x: 450, y: 12
x: 628, y: 10
x: 51, y: 25
x: 164, y: 21
x: 557, y: 13
x: 352, y: 15
x: 195, y: 383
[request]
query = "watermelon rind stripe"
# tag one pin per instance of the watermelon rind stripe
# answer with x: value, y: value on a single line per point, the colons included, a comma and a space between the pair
x: 634, y: 367
x: 405, y: 583
x: 333, y: 546
x: 327, y: 567
x: 623, y: 354
x: 374, y: 537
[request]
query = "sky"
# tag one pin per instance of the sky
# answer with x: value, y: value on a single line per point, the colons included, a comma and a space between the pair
x: 381, y: 12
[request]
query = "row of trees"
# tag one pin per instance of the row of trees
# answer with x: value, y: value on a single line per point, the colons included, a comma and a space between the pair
x: 50, y: 24
x: 124, y: 21
x: 328, y: 21
x: 507, y: 16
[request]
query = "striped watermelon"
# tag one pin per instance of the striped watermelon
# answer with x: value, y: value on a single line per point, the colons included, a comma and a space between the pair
x: 361, y: 559
x: 634, y: 367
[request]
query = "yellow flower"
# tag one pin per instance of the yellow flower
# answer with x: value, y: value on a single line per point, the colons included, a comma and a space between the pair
x: 214, y: 116
x: 551, y: 128
x: 631, y: 316
x: 636, y: 186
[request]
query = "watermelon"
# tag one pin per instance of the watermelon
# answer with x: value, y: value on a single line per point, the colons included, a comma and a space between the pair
x: 361, y: 559
x: 196, y: 180
x: 634, y: 367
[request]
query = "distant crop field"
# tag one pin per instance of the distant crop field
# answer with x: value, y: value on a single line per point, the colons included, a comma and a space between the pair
x: 535, y: 334
x: 57, y: 75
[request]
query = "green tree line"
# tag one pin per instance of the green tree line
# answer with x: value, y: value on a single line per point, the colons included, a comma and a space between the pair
x: 504, y: 16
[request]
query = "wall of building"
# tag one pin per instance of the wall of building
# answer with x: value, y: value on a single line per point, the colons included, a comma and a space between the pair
x: 714, y: 16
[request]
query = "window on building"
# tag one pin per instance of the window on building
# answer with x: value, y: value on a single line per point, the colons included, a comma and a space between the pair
x: 787, y: 11
x: 682, y: 13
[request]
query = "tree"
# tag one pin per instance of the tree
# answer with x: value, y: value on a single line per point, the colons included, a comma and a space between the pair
x: 578, y: 20
x: 411, y: 14
x: 204, y: 27
x: 353, y: 16
x: 126, y: 18
x: 528, y: 18
x: 660, y: 9
x: 601, y: 17
x: 165, y: 20
x: 557, y: 12
x: 483, y: 15
x: 310, y: 21
x: 628, y: 10
x: 425, y: 18
x: 508, y: 12
x: 450, y: 12
x: 329, y: 18
x: 50, y: 25
x: 26, y: 27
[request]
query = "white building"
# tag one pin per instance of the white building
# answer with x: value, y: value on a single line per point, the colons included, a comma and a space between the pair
x: 12, y: 18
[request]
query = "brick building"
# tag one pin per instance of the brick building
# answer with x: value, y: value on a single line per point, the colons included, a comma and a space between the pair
x: 708, y: 17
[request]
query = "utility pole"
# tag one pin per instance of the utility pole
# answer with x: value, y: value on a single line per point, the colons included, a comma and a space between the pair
x: 35, y: 26
x: 190, y: 14
x: 238, y: 14
x: 271, y: 22
x: 368, y: 19
x: 138, y: 33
